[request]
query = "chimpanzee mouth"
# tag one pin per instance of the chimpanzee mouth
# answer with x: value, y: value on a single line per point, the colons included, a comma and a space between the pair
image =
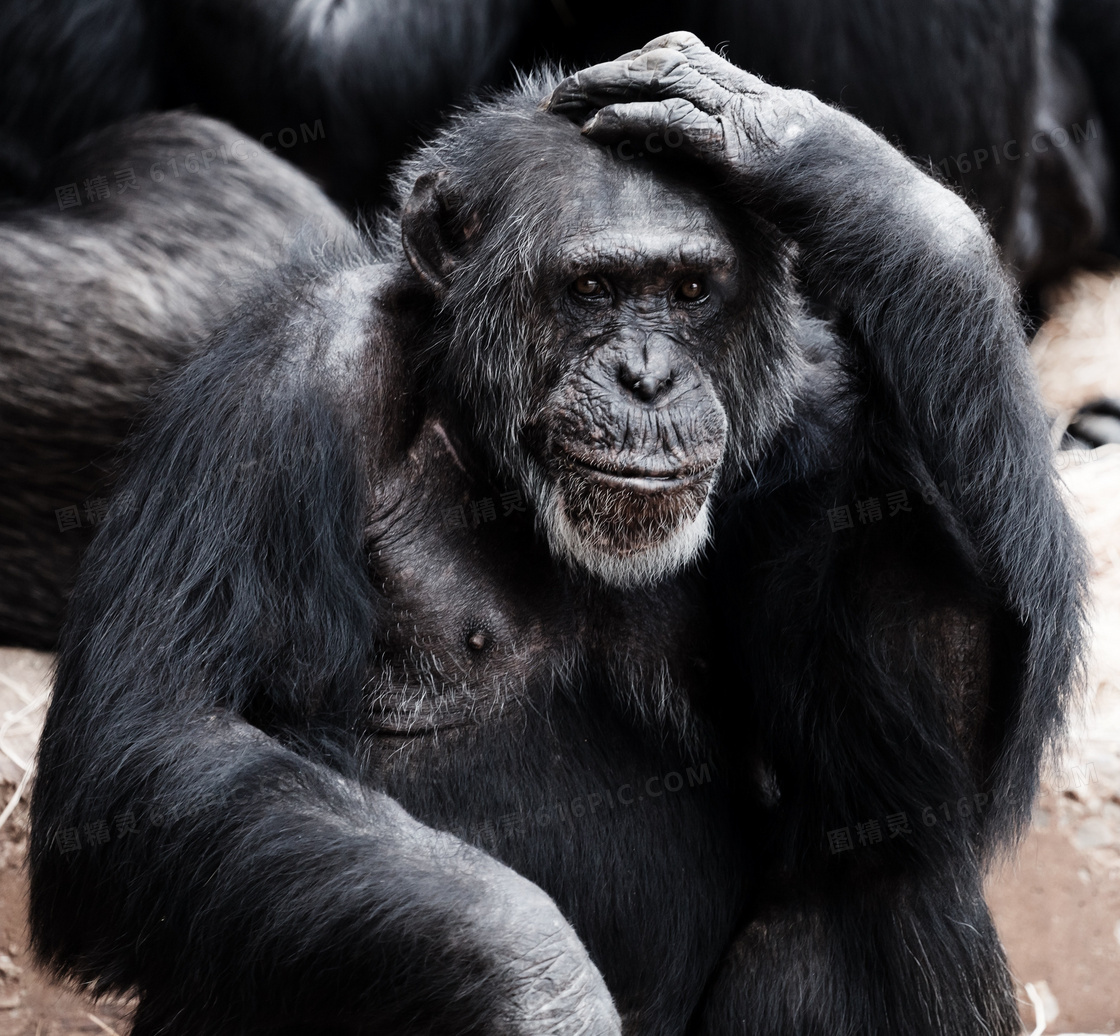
x: 633, y: 476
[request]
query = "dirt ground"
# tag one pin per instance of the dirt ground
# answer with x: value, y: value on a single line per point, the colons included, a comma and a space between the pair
x: 1057, y: 904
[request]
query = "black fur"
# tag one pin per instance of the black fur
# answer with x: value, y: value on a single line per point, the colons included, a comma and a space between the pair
x: 286, y: 636
x: 1091, y: 28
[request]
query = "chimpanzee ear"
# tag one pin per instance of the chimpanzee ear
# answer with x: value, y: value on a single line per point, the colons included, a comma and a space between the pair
x: 435, y: 228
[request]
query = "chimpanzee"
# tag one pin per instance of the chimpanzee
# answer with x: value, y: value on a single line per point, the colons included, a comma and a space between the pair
x: 540, y: 622
x: 164, y: 221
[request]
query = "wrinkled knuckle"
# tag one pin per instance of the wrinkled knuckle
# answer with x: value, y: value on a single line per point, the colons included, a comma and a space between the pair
x: 682, y: 38
x: 678, y: 110
x: 557, y: 989
x: 568, y: 1002
x: 660, y: 61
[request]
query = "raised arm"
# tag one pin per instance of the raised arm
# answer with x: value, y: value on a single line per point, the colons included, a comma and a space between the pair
x: 901, y: 672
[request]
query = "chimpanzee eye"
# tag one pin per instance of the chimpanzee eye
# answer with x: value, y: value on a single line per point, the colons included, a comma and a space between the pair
x: 589, y: 286
x: 692, y: 289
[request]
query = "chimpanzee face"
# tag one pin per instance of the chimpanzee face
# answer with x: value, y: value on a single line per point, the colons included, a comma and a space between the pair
x: 632, y: 434
x: 609, y: 340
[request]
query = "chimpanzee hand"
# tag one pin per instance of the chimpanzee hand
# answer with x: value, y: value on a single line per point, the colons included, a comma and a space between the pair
x: 552, y: 985
x: 679, y: 90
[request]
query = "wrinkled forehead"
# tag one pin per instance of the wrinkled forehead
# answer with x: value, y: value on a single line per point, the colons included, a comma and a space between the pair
x: 608, y: 206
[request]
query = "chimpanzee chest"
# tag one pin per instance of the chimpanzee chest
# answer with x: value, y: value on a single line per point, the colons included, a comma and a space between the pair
x: 477, y: 617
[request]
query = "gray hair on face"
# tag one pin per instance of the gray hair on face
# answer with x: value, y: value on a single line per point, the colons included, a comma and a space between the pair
x: 670, y: 553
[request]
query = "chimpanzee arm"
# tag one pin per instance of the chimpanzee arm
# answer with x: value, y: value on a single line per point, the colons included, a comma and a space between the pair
x: 193, y: 832
x: 903, y: 674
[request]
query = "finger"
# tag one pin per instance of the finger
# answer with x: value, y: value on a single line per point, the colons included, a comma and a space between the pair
x: 674, y: 122
x: 627, y: 79
x: 679, y: 40
x: 654, y: 75
x: 598, y: 85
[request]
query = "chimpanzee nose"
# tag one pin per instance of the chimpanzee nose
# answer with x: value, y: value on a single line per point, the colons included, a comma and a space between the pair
x: 647, y: 387
x: 646, y: 376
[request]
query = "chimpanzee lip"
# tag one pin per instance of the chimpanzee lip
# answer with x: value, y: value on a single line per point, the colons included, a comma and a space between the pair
x: 633, y: 476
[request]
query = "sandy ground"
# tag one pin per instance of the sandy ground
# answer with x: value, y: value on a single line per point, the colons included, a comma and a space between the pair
x: 1057, y: 904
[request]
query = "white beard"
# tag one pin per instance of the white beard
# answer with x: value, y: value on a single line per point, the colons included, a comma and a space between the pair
x: 639, y: 567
